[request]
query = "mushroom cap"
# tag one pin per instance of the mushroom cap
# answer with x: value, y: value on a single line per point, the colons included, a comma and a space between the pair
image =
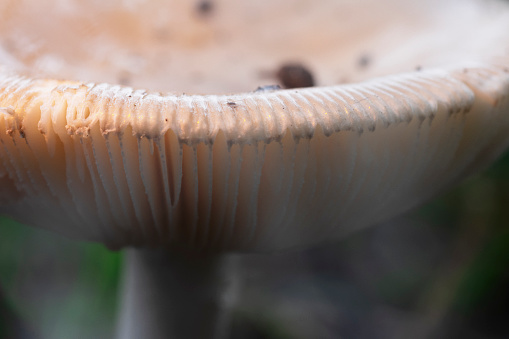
x: 253, y: 171
x: 237, y: 46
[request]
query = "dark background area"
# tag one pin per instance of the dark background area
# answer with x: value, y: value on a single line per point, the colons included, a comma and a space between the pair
x: 438, y: 272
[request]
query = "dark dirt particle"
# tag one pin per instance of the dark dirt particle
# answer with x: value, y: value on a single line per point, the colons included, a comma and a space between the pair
x: 293, y: 75
x: 364, y: 60
x: 205, y: 7
x: 124, y: 78
x: 231, y: 104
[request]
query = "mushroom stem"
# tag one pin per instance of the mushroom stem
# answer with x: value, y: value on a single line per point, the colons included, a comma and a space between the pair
x: 177, y: 295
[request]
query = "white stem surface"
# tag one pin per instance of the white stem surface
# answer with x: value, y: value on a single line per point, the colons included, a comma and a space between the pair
x: 177, y: 295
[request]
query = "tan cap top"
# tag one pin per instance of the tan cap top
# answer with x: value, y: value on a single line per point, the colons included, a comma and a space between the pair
x: 236, y: 46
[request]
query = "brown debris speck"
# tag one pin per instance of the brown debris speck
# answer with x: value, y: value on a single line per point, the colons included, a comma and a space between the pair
x: 364, y: 61
x: 295, y: 76
x: 205, y: 7
x: 124, y: 78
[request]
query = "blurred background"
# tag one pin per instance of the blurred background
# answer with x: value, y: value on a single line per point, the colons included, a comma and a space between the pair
x: 438, y: 272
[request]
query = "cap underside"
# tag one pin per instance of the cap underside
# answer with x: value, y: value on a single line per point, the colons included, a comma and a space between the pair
x: 276, y: 170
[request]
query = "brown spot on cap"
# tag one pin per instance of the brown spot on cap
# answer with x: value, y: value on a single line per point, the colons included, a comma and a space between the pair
x: 295, y: 76
x: 205, y: 7
x: 364, y: 60
x: 124, y: 78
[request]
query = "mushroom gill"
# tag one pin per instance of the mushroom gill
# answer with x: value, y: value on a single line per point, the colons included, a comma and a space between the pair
x: 255, y: 171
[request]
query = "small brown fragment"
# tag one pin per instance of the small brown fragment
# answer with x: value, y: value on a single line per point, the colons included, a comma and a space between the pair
x: 364, y: 61
x: 205, y: 7
x: 295, y: 76
x: 124, y: 78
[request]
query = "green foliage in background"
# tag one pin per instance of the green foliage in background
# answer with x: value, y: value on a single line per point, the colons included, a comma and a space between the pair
x: 58, y: 287
x: 66, y: 289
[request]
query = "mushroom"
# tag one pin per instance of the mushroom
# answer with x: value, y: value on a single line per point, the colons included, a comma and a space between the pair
x: 184, y: 180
